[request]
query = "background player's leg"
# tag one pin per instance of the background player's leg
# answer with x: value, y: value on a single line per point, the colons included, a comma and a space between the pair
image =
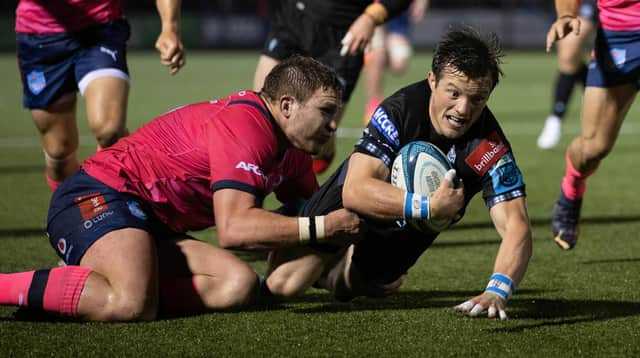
x: 571, y: 70
x: 107, y: 109
x: 59, y: 134
x: 604, y: 110
x: 264, y: 66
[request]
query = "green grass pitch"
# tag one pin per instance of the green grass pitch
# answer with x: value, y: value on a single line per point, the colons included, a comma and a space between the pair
x: 570, y: 304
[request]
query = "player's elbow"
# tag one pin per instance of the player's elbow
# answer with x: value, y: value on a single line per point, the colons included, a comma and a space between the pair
x: 350, y: 197
x: 229, y: 236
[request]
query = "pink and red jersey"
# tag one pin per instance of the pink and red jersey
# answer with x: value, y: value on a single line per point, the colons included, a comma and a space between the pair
x: 178, y: 160
x: 619, y: 15
x: 55, y: 16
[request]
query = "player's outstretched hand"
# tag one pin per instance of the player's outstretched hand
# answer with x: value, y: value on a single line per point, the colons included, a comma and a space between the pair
x: 448, y: 200
x: 171, y: 50
x: 488, y: 302
x: 563, y: 26
x: 343, y: 226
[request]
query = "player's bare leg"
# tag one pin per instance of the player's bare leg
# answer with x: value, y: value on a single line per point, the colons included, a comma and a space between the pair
x: 264, y: 66
x: 124, y: 283
x: 116, y: 280
x: 571, y: 70
x: 196, y: 276
x: 604, y: 110
x: 106, y: 99
x: 59, y: 135
x: 399, y: 52
x: 293, y: 270
x: 375, y: 62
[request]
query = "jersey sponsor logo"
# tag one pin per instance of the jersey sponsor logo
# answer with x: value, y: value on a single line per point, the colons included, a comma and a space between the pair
x: 619, y: 56
x: 250, y: 167
x: 91, y: 205
x: 505, y: 175
x: 486, y: 154
x: 136, y: 210
x: 88, y: 224
x: 385, y: 126
x: 112, y: 53
x: 36, y: 82
x: 62, y: 245
x: 451, y: 154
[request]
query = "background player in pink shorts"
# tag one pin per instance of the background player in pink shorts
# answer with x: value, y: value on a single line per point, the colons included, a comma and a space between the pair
x: 69, y: 45
x: 613, y: 79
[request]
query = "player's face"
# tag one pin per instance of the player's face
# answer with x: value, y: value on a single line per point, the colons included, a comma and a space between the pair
x: 314, y: 121
x: 456, y: 101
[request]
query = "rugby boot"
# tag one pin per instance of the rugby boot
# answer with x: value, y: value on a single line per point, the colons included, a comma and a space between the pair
x: 564, y: 221
x: 550, y: 135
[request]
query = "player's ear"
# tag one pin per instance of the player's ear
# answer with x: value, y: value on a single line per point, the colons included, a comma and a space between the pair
x: 286, y: 105
x: 431, y: 78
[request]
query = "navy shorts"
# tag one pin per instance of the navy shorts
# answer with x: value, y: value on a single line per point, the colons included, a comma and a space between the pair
x: 52, y: 65
x: 615, y: 59
x: 293, y: 32
x: 83, y: 210
x: 399, y: 25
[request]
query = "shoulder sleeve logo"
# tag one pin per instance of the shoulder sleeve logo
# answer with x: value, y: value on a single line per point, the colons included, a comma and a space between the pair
x: 486, y: 153
x: 385, y: 126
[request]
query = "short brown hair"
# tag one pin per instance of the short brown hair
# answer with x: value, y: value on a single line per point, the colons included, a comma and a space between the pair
x: 300, y: 77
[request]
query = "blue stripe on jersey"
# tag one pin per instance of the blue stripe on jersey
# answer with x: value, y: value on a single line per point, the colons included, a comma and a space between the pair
x: 386, y: 127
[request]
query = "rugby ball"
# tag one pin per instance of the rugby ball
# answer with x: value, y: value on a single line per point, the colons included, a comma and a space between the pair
x: 419, y: 168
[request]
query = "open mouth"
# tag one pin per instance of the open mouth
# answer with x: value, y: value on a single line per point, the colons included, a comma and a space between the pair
x: 455, y: 120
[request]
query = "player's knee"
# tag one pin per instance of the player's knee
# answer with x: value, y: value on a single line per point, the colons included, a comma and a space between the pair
x: 108, y: 128
x: 132, y: 307
x: 284, y: 285
x: 238, y: 289
x: 109, y: 133
x: 595, y: 151
x: 60, y: 152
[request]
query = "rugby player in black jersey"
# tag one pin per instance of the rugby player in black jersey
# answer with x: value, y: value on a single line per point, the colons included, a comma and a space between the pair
x: 334, y: 32
x: 448, y: 109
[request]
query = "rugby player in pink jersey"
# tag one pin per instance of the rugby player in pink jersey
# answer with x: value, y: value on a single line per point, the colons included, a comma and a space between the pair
x: 65, y: 46
x: 613, y: 79
x: 120, y: 222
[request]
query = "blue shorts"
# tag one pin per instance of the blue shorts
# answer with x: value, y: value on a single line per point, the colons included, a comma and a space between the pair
x: 83, y: 210
x: 399, y: 25
x: 55, y: 64
x: 615, y: 59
